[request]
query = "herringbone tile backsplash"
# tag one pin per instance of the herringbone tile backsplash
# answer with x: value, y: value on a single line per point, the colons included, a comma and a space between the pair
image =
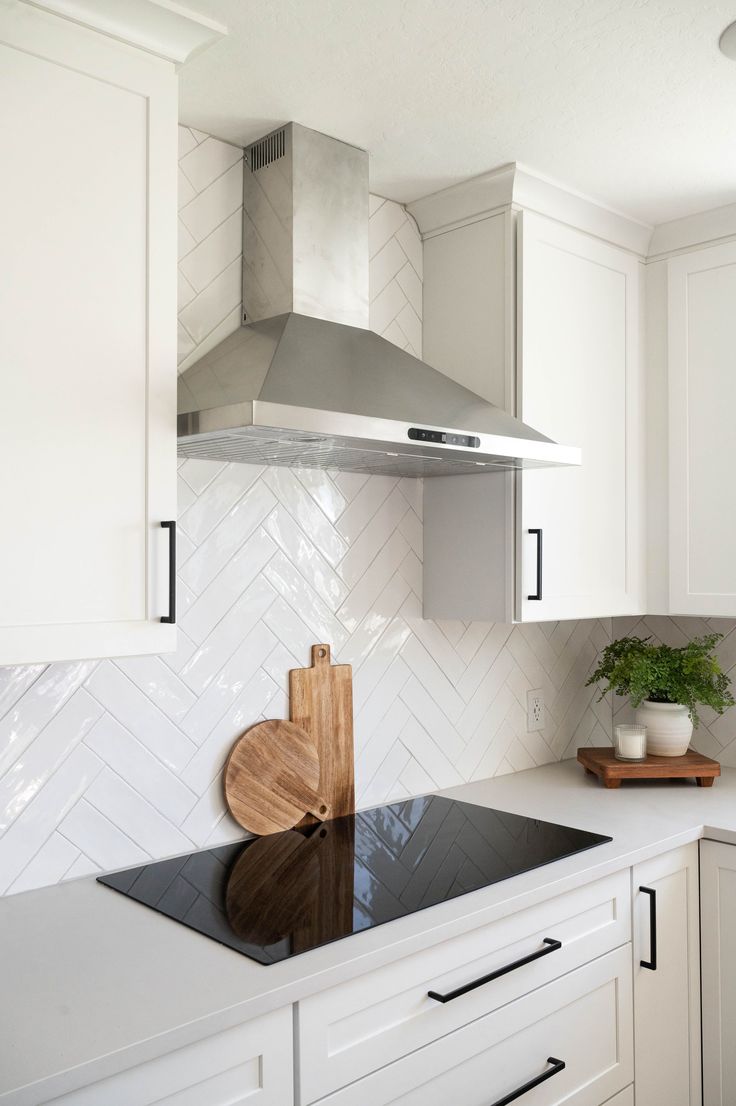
x: 107, y: 763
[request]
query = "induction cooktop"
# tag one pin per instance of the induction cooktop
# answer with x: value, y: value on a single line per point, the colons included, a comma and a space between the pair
x: 274, y: 897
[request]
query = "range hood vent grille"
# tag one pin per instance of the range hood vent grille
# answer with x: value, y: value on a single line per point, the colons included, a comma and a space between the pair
x: 266, y: 150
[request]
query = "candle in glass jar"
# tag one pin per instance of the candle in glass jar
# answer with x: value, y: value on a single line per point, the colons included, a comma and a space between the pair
x: 630, y: 742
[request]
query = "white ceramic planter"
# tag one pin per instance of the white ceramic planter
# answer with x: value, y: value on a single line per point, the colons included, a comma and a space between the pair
x: 669, y: 728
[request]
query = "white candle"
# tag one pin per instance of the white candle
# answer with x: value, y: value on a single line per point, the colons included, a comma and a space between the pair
x: 630, y: 743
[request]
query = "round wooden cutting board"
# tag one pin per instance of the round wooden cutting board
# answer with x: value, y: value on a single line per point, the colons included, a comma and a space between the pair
x: 272, y: 778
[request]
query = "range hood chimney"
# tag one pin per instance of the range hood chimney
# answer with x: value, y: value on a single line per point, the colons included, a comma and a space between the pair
x: 304, y: 382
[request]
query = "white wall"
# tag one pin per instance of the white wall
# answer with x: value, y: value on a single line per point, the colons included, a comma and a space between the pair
x: 104, y: 764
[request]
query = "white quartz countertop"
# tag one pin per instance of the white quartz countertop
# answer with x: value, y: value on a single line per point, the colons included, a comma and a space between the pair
x: 94, y: 982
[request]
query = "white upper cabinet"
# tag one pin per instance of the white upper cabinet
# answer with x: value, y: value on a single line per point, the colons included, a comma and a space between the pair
x: 87, y: 341
x: 579, y: 381
x: 542, y: 318
x: 702, y: 443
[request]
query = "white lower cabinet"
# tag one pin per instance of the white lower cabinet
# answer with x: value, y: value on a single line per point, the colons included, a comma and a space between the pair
x: 718, y: 936
x: 353, y: 1029
x: 570, y: 1041
x: 249, y: 1064
x: 666, y: 939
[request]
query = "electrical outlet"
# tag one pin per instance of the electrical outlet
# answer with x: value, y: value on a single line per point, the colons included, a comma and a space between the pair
x: 534, y: 710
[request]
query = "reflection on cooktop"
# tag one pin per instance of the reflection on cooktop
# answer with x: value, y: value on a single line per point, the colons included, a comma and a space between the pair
x: 273, y: 897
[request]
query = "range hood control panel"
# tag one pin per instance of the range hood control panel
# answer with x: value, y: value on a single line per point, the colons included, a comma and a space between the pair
x: 444, y: 437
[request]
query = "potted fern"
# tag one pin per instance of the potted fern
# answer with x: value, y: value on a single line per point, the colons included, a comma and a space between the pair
x: 665, y: 685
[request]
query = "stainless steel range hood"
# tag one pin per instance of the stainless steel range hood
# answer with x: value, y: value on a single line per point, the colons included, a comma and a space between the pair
x: 305, y: 382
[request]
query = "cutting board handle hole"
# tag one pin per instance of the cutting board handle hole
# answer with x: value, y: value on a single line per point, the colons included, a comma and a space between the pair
x: 323, y: 809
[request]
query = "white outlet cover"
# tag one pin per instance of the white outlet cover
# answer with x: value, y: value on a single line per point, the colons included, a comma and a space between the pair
x: 534, y: 710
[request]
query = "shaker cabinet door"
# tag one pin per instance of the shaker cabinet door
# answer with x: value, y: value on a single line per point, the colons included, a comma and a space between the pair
x: 718, y: 937
x: 702, y: 446
x: 87, y: 342
x: 579, y: 382
x: 667, y: 979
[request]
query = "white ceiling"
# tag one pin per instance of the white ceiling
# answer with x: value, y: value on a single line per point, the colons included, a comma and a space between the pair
x: 628, y: 101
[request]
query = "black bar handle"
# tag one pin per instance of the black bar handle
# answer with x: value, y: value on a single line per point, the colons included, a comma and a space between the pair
x: 651, y: 963
x: 171, y: 527
x: 550, y: 945
x: 557, y: 1066
x: 538, y: 595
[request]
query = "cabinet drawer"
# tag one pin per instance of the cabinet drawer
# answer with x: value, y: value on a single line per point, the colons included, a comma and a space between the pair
x: 583, y: 1019
x: 250, y: 1063
x: 353, y: 1029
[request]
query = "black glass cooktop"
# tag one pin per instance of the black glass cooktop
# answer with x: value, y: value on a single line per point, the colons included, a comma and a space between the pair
x: 274, y: 897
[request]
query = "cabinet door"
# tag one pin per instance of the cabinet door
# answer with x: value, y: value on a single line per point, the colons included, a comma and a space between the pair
x: 249, y: 1065
x: 579, y: 381
x: 718, y: 956
x: 87, y: 341
x: 667, y: 995
x: 702, y: 446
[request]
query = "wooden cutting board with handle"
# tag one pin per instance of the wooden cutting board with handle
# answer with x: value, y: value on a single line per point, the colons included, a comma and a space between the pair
x: 321, y: 702
x: 272, y: 778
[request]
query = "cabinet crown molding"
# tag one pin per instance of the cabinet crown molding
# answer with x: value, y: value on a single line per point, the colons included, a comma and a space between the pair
x: 159, y: 27
x: 704, y: 228
x: 514, y: 185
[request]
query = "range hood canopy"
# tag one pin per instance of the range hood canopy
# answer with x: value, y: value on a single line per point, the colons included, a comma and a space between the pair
x: 305, y: 382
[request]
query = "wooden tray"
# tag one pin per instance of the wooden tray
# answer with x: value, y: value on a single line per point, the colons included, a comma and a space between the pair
x: 602, y: 763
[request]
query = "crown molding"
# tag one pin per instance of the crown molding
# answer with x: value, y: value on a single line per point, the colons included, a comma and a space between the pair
x: 160, y: 27
x: 514, y: 185
x: 704, y: 228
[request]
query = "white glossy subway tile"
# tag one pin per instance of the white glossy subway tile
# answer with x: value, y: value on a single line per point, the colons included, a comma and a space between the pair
x: 208, y: 161
x: 286, y: 579
x: 20, y: 843
x: 290, y: 492
x: 229, y: 532
x: 324, y: 490
x: 208, y: 209
x: 134, y: 816
x: 100, y: 840
x: 159, y: 684
x: 213, y: 254
x: 125, y: 702
x: 301, y: 551
x: 231, y: 680
x: 228, y: 586
x: 146, y: 774
x: 30, y: 771
x: 227, y: 635
x: 50, y: 864
x: 210, y: 306
x: 45, y: 696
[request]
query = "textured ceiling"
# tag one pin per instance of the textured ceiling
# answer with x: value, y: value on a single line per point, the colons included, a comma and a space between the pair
x: 628, y: 101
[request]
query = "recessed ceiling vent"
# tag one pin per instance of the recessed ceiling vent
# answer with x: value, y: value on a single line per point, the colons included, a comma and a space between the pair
x: 266, y: 150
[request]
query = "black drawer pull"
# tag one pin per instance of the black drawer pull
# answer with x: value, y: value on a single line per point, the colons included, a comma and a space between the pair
x: 651, y: 963
x: 557, y: 1066
x: 550, y: 945
x: 171, y: 616
x: 538, y: 594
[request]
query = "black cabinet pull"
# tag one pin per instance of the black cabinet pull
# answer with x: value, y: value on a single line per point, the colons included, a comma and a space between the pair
x: 651, y: 963
x: 557, y: 1066
x: 539, y: 565
x: 171, y: 616
x: 550, y: 945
